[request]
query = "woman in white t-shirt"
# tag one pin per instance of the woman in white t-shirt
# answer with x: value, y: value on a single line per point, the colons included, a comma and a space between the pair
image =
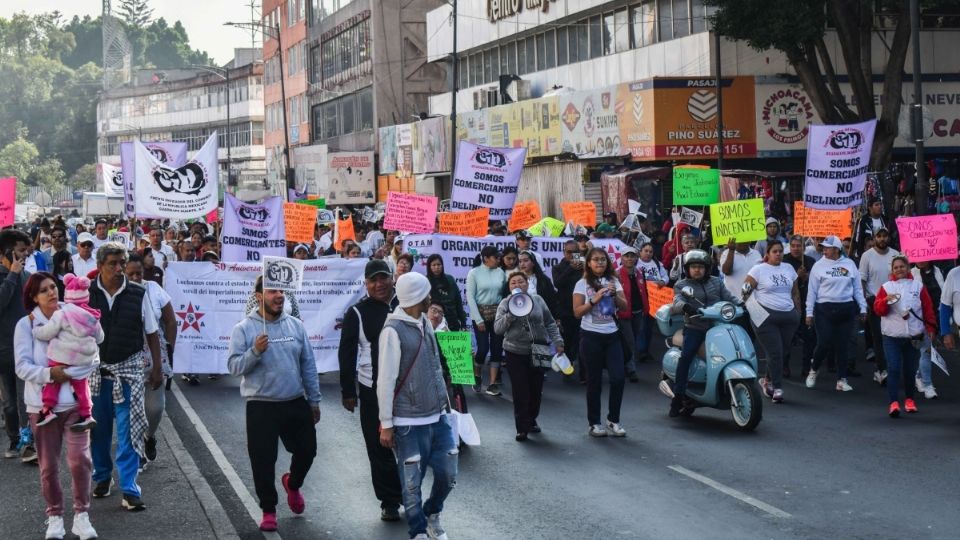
x: 775, y: 313
x: 596, y: 299
x: 653, y: 270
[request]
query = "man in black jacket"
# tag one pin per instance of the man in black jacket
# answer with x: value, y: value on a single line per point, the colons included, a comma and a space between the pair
x: 869, y: 224
x: 566, y: 274
x: 358, y: 364
x: 14, y: 249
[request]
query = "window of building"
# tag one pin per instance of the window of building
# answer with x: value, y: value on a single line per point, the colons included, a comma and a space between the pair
x: 643, y: 19
x: 698, y: 16
x: 330, y: 122
x: 366, y: 109
x: 291, y: 12
x: 665, y: 19
x: 681, y: 18
x: 550, y: 49
x: 541, y: 41
x: 583, y: 41
x: 463, y: 71
x: 531, y: 51
x: 476, y: 69
x: 521, y: 58
x: 488, y: 65
x: 621, y: 30
x: 294, y: 109
x: 503, y: 66
x: 596, y: 37
x: 348, y: 114
x: 561, y: 46
x: 608, y: 31
x: 346, y: 50
x: 315, y: 64
x: 316, y: 123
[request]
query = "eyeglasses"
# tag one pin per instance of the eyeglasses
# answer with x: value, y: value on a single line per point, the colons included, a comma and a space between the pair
x: 86, y: 245
x: 599, y: 259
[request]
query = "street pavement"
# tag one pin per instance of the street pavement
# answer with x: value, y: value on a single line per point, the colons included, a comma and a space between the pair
x: 821, y: 465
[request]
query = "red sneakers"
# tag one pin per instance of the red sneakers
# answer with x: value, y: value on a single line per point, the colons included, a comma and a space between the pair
x: 294, y: 497
x: 909, y: 405
x: 894, y: 410
x: 269, y: 522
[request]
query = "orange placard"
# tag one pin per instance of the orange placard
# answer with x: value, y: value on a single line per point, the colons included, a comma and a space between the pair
x: 299, y: 221
x: 344, y: 232
x: 821, y: 223
x: 580, y: 213
x: 526, y: 214
x: 473, y: 223
x: 658, y: 296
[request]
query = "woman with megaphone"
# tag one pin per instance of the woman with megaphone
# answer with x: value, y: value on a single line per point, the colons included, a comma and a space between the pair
x: 527, y: 326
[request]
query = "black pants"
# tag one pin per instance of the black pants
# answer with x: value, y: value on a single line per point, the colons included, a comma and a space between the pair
x: 11, y: 392
x: 570, y: 330
x: 383, y: 465
x: 876, y: 337
x: 290, y: 422
x: 526, y: 384
x: 834, y: 323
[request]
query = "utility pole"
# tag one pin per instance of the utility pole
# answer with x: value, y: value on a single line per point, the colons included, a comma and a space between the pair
x: 719, y: 84
x: 287, y: 169
x: 453, y: 106
x: 922, y: 188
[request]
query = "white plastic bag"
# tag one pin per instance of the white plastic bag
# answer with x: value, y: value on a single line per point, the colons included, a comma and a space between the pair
x: 464, y: 425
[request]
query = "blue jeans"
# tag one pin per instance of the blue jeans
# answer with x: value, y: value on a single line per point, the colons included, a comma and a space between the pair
x: 600, y: 351
x: 926, y: 366
x: 128, y: 462
x: 488, y: 342
x: 693, y: 338
x: 419, y: 447
x: 902, y: 359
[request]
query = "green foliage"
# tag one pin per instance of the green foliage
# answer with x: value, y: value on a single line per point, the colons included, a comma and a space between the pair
x: 136, y: 13
x: 85, y: 179
x: 770, y: 25
x: 20, y: 158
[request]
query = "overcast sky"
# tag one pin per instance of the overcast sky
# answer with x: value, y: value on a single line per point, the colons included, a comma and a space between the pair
x: 203, y: 19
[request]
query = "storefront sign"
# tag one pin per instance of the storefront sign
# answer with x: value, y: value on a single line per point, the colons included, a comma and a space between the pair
x: 350, y: 176
x: 589, y: 123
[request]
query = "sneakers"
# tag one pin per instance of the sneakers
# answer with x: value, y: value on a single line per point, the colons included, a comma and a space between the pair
x: 880, y: 377
x: 842, y: 386
x: 102, y: 489
x: 918, y: 382
x: 434, y: 530
x: 192, y: 380
x: 150, y: 448
x: 676, y: 404
x: 476, y: 388
x: 894, y: 409
x: 55, y: 530
x: 536, y: 428
x: 597, y: 430
x: 493, y: 389
x: 421, y: 536
x: 12, y: 451
x: 28, y: 455
x: 930, y: 392
x: 44, y: 417
x: 910, y: 405
x: 615, y: 429
x: 811, y: 379
x: 294, y: 497
x: 777, y: 396
x: 82, y: 527
x: 269, y: 522
x: 632, y: 376
x: 390, y: 513
x: 767, y: 387
x: 132, y: 503
x: 143, y: 465
x: 85, y: 424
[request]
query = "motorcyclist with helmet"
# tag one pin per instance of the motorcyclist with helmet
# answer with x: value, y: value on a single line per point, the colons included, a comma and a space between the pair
x: 708, y: 290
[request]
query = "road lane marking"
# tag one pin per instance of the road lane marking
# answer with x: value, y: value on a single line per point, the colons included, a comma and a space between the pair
x: 772, y: 510
x: 228, y: 471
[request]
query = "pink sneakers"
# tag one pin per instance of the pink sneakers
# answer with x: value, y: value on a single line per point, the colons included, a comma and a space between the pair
x: 269, y: 522
x: 294, y: 497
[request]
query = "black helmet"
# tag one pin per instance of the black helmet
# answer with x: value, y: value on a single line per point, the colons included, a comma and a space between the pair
x: 696, y: 256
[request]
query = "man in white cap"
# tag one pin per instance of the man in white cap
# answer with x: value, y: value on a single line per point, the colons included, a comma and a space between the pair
x: 874, y: 272
x: 413, y: 406
x: 84, y: 262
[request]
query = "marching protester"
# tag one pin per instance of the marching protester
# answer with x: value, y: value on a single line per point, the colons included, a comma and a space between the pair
x: 162, y: 253
x: 39, y: 299
x: 932, y: 279
x: 735, y: 262
x: 525, y: 243
x: 834, y: 303
x: 509, y: 259
x: 537, y: 280
x: 359, y: 364
x: 404, y: 264
x: 15, y: 246
x: 62, y: 265
x: 596, y: 298
x: 444, y: 290
x: 525, y: 343
x: 868, y: 225
x: 151, y: 272
x: 688, y: 242
x: 632, y: 321
x: 773, y: 233
x: 874, y: 270
x: 84, y: 261
x: 271, y: 352
x: 413, y: 407
x: 653, y: 270
x: 566, y: 274
x: 775, y: 288
x: 950, y: 307
x: 906, y: 320
x: 484, y: 293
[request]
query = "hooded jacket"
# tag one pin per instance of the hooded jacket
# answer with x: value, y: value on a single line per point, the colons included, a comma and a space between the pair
x: 903, y: 319
x: 761, y: 245
x: 708, y: 291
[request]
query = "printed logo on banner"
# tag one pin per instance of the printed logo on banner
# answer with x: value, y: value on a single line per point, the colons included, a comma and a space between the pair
x: 190, y: 317
x: 116, y: 177
x: 837, y: 161
x: 787, y: 114
x: 571, y: 116
x: 253, y: 215
x: 188, y: 180
x: 280, y: 274
x: 491, y: 157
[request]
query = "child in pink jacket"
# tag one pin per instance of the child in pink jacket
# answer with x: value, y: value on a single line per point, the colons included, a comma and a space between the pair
x: 73, y: 332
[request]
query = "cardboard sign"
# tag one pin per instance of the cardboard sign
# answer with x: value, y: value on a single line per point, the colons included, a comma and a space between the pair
x: 455, y: 347
x: 691, y: 217
x: 252, y: 231
x: 928, y: 238
x: 696, y: 186
x: 8, y: 201
x: 741, y: 220
x: 547, y: 226
x: 299, y: 220
x: 526, y: 214
x: 473, y: 223
x: 344, y: 231
x: 838, y: 158
x: 580, y: 213
x: 938, y: 360
x: 658, y: 296
x: 281, y: 273
x: 821, y: 223
x: 409, y: 212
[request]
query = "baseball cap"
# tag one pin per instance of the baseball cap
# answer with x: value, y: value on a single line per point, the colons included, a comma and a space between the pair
x: 85, y: 237
x: 628, y: 249
x: 301, y: 246
x: 524, y: 234
x: 832, y: 241
x: 374, y: 267
x: 605, y: 228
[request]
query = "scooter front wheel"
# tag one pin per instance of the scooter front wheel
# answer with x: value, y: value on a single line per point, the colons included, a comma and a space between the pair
x: 746, y: 405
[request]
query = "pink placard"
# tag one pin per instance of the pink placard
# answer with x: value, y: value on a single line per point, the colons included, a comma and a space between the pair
x: 928, y: 238
x: 8, y: 201
x: 410, y: 213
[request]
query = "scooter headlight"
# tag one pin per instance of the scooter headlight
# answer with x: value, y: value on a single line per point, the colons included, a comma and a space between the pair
x: 728, y: 312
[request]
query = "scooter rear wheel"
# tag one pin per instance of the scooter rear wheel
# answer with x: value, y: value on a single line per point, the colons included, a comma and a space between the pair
x: 748, y: 409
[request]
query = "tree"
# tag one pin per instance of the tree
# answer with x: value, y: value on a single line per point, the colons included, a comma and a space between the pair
x: 799, y: 33
x: 21, y: 159
x: 85, y: 179
x: 136, y: 13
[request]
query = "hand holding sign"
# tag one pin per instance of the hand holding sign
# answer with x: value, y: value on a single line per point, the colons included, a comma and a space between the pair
x: 456, y: 350
x: 743, y: 221
x: 409, y: 212
x: 696, y: 186
x: 928, y: 238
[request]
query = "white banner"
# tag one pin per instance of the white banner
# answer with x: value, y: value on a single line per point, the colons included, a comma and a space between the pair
x: 209, y: 299
x: 112, y: 176
x: 252, y: 231
x: 283, y: 274
x: 837, y: 161
x: 172, y: 154
x: 185, y: 192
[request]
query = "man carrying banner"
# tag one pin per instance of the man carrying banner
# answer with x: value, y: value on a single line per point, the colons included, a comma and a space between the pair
x: 358, y: 355
x: 272, y: 353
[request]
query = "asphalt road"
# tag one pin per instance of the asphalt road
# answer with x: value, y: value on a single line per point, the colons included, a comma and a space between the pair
x: 821, y: 465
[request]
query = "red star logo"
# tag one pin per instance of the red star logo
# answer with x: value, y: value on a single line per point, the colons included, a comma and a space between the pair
x: 190, y: 318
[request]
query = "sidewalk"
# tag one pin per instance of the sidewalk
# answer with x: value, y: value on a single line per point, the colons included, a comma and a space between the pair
x: 179, y: 503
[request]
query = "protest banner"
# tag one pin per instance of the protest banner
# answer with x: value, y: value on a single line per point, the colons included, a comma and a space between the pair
x: 741, y: 220
x: 209, y: 299
x: 112, y: 178
x: 299, y: 221
x: 657, y: 296
x: 344, y: 231
x: 473, y: 223
x: 212, y: 216
x: 281, y: 273
x: 821, y: 223
x: 526, y: 214
x: 171, y: 154
x: 122, y: 238
x: 252, y: 231
x: 185, y: 192
x: 837, y: 161
x: 938, y: 360
x: 928, y: 238
x: 315, y: 203
x: 548, y: 226
x: 326, y: 216
x: 487, y: 177
x: 455, y: 347
x: 409, y: 212
x: 691, y: 217
x: 695, y: 186
x: 580, y: 213
x: 8, y: 201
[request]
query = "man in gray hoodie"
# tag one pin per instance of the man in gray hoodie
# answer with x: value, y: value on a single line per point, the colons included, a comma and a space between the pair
x: 272, y: 353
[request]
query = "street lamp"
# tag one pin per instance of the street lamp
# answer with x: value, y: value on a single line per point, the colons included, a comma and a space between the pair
x: 274, y: 32
x: 223, y: 73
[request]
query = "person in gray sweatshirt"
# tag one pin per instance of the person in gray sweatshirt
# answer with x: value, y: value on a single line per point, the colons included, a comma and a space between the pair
x: 272, y: 353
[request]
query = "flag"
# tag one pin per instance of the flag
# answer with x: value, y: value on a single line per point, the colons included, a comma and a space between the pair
x: 189, y: 191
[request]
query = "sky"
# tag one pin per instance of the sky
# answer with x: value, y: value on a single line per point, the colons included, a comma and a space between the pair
x: 203, y: 19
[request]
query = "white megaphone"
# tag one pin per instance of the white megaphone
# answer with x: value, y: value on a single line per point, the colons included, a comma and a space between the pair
x: 520, y: 303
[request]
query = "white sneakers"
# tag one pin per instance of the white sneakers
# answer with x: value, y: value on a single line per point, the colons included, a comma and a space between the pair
x: 918, y: 382
x: 930, y: 392
x: 842, y: 386
x: 55, y: 530
x: 82, y: 527
x: 811, y: 379
x: 596, y: 430
x: 615, y: 429
x: 880, y: 377
x: 434, y: 530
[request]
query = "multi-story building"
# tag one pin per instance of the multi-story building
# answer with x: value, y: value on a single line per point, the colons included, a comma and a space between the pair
x: 189, y: 105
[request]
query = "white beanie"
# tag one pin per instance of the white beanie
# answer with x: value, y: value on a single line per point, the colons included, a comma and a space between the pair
x: 412, y: 288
